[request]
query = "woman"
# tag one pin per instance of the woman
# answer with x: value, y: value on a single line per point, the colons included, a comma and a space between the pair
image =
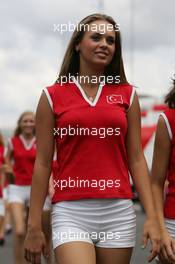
x: 2, y: 217
x: 164, y: 154
x: 21, y: 156
x: 82, y: 216
x: 2, y: 204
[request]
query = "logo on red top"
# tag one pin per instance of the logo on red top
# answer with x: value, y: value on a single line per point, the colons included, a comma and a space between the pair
x: 114, y: 98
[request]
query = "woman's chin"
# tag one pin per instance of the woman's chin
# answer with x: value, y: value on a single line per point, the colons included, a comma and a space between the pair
x: 100, y: 64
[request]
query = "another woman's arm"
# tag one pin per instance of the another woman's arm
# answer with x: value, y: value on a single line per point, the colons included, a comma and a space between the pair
x: 159, y: 171
x: 51, y: 187
x: 35, y: 240
x: 140, y: 175
x: 8, y: 167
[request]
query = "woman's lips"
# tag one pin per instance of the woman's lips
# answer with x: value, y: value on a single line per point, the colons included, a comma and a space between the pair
x: 101, y: 54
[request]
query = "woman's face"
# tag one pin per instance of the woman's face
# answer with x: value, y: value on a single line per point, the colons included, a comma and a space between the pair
x: 27, y: 124
x: 98, y: 44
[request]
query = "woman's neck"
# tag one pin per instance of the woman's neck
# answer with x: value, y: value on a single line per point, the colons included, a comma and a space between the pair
x: 89, y: 75
x: 27, y: 136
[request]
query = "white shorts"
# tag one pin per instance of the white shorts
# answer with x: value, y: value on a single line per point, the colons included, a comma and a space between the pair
x: 108, y: 223
x: 21, y: 194
x: 2, y: 207
x: 5, y: 193
x: 170, y: 225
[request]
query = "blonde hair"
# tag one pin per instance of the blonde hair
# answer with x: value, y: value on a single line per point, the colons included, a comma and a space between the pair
x: 18, y: 131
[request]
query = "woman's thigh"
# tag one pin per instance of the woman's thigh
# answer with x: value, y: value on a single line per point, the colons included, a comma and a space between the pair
x: 18, y: 216
x: 75, y: 253
x: 113, y: 255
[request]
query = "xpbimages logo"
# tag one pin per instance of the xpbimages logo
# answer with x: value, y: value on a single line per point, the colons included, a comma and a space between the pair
x: 85, y: 183
x: 70, y: 27
x: 101, y: 132
x: 80, y: 235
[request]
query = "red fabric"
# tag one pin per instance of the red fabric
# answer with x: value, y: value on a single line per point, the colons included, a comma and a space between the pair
x: 91, y: 157
x: 144, y: 113
x: 23, y: 161
x: 169, y: 206
x: 54, y: 167
x: 159, y: 107
x: 146, y: 134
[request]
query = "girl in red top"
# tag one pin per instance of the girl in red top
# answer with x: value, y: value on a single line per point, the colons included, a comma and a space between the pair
x: 96, y: 124
x: 5, y: 227
x: 164, y: 170
x: 2, y: 203
x: 21, y: 156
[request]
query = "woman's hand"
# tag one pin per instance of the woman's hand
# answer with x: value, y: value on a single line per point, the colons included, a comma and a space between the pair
x: 5, y: 168
x: 34, y: 245
x: 51, y: 187
x: 151, y: 231
x: 167, y: 250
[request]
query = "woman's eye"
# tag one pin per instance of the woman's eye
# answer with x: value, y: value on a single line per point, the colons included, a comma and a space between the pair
x: 96, y: 37
x: 110, y: 41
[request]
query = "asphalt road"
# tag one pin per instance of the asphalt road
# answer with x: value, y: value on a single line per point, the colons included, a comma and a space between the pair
x: 139, y: 255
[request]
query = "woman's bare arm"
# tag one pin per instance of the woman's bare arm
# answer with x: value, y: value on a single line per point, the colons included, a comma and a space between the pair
x: 136, y: 160
x: 140, y: 175
x: 161, y: 156
x: 162, y: 149
x: 8, y: 166
x: 42, y: 169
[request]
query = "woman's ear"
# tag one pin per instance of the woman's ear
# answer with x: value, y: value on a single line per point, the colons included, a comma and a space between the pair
x: 77, y: 48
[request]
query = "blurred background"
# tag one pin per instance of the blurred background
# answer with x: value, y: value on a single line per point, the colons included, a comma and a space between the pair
x: 31, y: 52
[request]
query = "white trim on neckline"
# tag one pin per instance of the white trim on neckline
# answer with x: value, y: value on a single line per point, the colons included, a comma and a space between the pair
x: 85, y: 96
x: 27, y: 146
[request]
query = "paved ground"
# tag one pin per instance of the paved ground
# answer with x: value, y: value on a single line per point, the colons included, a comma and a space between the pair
x: 139, y: 255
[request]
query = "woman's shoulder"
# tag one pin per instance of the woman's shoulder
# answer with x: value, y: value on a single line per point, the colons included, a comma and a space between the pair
x: 170, y: 114
x: 57, y: 86
x: 169, y: 111
x: 12, y: 141
x: 169, y: 118
x: 53, y: 87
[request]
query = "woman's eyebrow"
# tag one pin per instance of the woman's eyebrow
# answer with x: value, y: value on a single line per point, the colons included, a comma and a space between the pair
x: 101, y: 33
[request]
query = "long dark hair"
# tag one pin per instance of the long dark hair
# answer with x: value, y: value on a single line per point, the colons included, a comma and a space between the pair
x: 71, y: 63
x: 170, y: 97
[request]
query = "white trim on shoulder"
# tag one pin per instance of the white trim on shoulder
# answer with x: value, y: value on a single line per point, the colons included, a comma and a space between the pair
x: 131, y: 97
x: 167, y: 125
x: 10, y: 144
x: 48, y: 97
